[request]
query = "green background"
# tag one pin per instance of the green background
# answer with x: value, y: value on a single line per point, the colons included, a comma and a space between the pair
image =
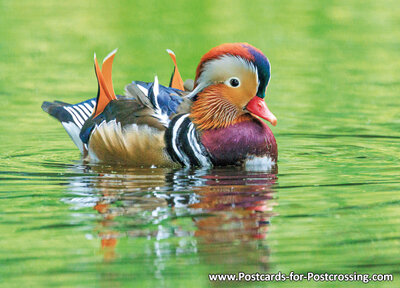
x: 334, y: 206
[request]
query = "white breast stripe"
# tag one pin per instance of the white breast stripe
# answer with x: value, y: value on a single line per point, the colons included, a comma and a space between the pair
x: 93, y: 103
x: 173, y: 140
x: 73, y: 117
x: 196, y: 148
x: 76, y: 115
x: 85, y: 110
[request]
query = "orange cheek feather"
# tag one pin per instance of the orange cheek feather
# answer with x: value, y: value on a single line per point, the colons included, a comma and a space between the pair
x: 241, y: 95
x: 220, y: 106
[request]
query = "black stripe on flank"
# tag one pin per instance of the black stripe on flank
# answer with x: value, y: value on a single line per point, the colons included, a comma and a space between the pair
x: 168, y: 140
x: 203, y: 149
x: 185, y: 153
x: 185, y: 145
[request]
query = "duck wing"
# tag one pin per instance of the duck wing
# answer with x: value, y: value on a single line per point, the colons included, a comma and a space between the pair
x: 145, y: 104
x: 130, y: 130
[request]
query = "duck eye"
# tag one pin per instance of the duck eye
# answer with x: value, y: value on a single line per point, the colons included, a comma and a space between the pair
x: 234, y: 82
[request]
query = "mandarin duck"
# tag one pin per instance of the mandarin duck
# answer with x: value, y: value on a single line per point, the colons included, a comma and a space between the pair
x: 212, y: 122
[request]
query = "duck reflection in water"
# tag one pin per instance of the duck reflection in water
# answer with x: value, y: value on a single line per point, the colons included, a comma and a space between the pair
x: 219, y: 212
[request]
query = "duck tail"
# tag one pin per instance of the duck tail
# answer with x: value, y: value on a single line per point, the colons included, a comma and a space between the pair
x: 105, y: 92
x: 71, y: 116
x: 176, y: 79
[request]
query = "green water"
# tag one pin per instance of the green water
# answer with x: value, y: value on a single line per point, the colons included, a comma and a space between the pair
x: 333, y: 204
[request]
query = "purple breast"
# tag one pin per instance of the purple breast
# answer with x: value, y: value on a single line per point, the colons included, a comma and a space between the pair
x: 234, y: 144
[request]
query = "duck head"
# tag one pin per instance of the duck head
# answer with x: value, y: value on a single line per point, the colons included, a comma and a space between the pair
x: 230, y: 86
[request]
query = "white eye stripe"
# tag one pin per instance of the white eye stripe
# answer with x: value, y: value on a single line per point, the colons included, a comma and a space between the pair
x: 211, y: 70
x: 233, y: 82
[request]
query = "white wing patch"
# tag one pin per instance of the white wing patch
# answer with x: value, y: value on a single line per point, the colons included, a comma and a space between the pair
x: 162, y: 117
x: 144, y: 90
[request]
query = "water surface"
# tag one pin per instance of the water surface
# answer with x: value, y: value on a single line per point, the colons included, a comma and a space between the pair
x: 331, y: 205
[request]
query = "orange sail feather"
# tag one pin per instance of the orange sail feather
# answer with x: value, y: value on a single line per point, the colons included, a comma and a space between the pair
x: 105, y: 92
x: 176, y: 79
